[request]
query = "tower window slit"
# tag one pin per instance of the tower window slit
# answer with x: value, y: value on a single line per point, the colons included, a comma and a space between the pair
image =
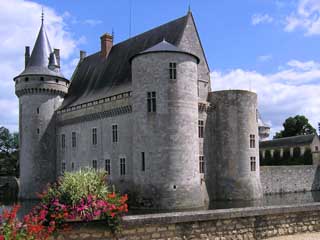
x: 152, y: 101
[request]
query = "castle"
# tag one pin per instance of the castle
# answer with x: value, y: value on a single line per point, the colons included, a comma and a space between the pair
x: 142, y: 110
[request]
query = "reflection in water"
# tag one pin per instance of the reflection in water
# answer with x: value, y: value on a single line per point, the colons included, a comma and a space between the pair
x: 268, y: 200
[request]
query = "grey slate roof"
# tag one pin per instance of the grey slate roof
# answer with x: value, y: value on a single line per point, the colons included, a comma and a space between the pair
x: 164, y: 46
x: 96, y: 77
x: 39, y: 60
x: 288, y: 141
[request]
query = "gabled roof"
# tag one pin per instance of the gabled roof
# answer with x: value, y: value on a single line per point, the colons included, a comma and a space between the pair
x: 288, y: 141
x: 97, y: 77
x: 39, y: 60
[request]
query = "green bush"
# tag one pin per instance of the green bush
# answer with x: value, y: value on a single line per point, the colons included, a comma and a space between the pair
x: 74, y: 186
x: 267, y: 158
x: 307, y: 157
x: 276, y: 157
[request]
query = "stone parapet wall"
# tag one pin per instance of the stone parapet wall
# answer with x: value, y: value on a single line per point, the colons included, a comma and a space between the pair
x: 242, y: 224
x: 285, y: 179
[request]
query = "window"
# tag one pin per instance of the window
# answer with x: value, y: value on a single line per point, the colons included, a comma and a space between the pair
x: 57, y: 80
x: 108, y: 166
x: 38, y: 110
x: 38, y: 131
x: 63, y: 141
x: 94, y: 136
x: 94, y: 164
x: 201, y: 128
x: 317, y: 148
x: 63, y: 167
x: 173, y: 70
x: 122, y: 166
x: 253, y: 164
x: 152, y: 105
x: 72, y: 166
x: 201, y: 164
x: 74, y: 139
x: 114, y: 133
x: 143, y: 162
x: 42, y: 78
x: 26, y: 79
x: 252, y: 141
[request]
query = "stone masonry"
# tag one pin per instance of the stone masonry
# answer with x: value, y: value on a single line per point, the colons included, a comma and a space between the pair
x: 232, y: 224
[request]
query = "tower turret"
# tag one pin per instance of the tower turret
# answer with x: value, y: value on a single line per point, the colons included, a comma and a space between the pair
x: 40, y: 88
x: 165, y: 128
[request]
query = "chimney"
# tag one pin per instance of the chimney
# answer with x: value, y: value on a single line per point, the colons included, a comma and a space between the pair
x: 83, y: 54
x: 57, y: 53
x: 106, y: 44
x: 27, y: 56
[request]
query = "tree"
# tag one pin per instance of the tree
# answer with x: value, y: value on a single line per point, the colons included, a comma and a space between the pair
x: 9, y: 152
x: 8, y: 142
x: 294, y: 126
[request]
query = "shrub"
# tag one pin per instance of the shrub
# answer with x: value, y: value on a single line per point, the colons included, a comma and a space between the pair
x: 307, y: 157
x: 82, y: 195
x: 31, y: 228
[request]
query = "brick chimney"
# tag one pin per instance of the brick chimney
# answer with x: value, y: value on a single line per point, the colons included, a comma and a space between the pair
x: 106, y: 44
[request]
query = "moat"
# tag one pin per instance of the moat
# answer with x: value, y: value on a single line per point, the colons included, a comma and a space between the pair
x: 268, y: 200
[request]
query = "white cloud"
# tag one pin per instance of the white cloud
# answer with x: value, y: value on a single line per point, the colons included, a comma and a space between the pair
x: 264, y: 58
x: 261, y: 18
x: 92, y: 22
x: 306, y: 17
x: 20, y: 23
x: 294, y: 90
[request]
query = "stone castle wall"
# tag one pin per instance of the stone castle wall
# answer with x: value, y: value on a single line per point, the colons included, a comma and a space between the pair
x: 284, y: 179
x: 243, y: 223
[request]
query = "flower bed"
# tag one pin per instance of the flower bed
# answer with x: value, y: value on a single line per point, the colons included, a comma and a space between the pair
x: 82, y: 195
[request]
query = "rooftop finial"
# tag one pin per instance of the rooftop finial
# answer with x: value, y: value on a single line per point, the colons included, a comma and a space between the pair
x: 189, y: 7
x: 42, y: 16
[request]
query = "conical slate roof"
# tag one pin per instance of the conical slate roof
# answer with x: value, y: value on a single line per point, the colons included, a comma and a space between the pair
x: 164, y: 46
x: 39, y: 61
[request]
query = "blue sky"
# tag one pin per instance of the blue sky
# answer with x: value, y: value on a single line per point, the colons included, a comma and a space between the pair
x: 268, y: 46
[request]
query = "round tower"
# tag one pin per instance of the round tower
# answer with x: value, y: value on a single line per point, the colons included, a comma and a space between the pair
x: 40, y: 89
x: 165, y: 128
x: 233, y: 165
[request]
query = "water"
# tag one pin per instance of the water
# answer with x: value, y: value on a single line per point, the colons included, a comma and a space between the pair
x: 268, y: 200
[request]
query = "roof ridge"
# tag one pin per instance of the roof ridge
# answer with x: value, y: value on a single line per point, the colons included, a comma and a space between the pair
x: 284, y: 138
x: 152, y: 29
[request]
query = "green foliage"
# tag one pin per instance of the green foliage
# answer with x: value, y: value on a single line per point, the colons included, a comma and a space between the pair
x: 9, y: 152
x: 9, y: 142
x: 74, y: 186
x: 267, y: 160
x: 307, y: 157
x: 294, y: 126
x: 286, y: 159
x: 277, y: 160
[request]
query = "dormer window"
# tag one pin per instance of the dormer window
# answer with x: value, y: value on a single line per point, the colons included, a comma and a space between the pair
x: 26, y: 79
x: 173, y: 70
x: 41, y: 78
x: 57, y: 80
